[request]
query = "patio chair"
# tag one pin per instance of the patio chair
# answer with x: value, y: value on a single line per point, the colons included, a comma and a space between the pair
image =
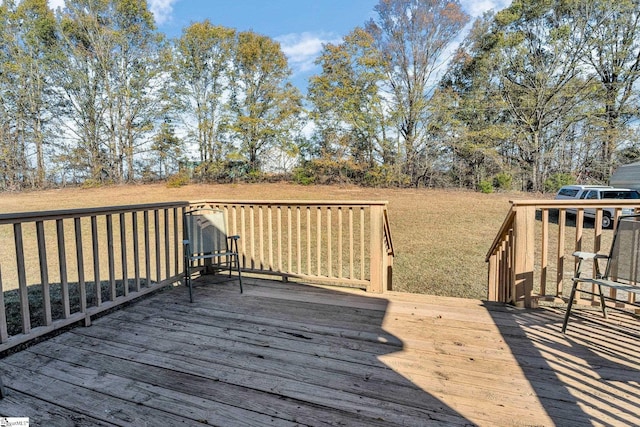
x: 622, y: 271
x: 206, y: 239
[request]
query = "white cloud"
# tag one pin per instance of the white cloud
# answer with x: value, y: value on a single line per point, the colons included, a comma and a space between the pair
x: 161, y: 10
x: 302, y: 49
x: 54, y: 4
x: 476, y: 8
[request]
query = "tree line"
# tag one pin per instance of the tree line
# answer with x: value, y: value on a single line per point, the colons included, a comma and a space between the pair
x: 539, y: 94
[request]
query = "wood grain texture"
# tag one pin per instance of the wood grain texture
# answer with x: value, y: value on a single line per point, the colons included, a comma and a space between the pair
x: 290, y: 354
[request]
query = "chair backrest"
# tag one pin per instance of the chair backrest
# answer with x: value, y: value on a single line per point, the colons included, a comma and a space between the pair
x: 206, y: 231
x: 624, y: 258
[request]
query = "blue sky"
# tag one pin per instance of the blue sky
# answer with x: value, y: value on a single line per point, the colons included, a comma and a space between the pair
x: 301, y: 26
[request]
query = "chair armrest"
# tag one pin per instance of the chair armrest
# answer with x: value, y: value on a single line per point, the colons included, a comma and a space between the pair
x: 589, y: 255
x: 234, y: 237
x: 585, y: 256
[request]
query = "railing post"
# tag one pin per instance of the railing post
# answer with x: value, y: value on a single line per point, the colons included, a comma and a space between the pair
x: 492, y: 278
x: 388, y: 273
x: 376, y: 261
x: 524, y: 227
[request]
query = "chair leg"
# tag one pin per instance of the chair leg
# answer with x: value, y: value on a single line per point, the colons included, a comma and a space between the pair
x: 239, y: 273
x: 603, y: 306
x: 569, y: 305
x: 187, y: 279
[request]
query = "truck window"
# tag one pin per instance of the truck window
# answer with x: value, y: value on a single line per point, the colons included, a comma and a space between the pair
x: 620, y: 195
x: 568, y: 192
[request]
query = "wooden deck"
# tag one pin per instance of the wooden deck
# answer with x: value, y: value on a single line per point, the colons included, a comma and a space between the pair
x: 287, y: 354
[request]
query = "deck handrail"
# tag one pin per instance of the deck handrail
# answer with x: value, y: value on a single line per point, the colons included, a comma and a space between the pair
x: 65, y: 266
x: 286, y: 238
x: 10, y: 218
x: 102, y: 257
x: 521, y: 270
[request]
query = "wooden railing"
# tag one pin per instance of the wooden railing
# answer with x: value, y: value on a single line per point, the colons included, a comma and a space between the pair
x: 530, y: 258
x: 65, y: 266
x: 342, y: 242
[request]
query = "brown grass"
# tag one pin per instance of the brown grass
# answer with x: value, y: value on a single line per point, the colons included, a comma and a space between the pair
x: 440, y: 236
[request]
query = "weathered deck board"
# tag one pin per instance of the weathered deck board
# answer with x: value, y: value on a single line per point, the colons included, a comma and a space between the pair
x: 287, y: 354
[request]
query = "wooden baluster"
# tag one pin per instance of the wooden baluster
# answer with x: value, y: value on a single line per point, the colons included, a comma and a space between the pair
x: 4, y: 332
x: 351, y: 241
x: 309, y: 240
x: 167, y: 246
x: 156, y: 228
x: 136, y: 250
x: 62, y: 259
x: 299, y: 239
x: 579, y: 240
x: 289, y: 240
x: 123, y: 254
x: 544, y: 250
x: 362, y: 259
x: 329, y: 244
x: 110, y: 256
x: 340, y: 225
x: 252, y: 234
x: 260, y: 233
x: 22, y: 279
x: 319, y: 240
x: 147, y: 247
x: 279, y: 231
x: 562, y: 231
x: 96, y: 260
x: 44, y: 273
x: 270, y: 235
x: 80, y: 264
x: 243, y: 238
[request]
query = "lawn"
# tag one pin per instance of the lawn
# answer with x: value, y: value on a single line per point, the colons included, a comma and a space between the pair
x: 440, y: 236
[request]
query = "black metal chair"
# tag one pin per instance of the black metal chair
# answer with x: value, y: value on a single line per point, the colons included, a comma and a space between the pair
x: 622, y: 271
x: 206, y: 239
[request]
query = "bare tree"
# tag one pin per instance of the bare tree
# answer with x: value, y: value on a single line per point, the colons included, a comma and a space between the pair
x: 201, y: 75
x: 611, y: 32
x: 413, y: 37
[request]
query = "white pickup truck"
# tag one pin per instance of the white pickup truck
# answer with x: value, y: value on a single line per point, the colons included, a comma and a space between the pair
x: 598, y: 192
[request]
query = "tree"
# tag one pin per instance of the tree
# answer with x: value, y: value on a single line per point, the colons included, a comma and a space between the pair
x: 133, y: 80
x: 11, y: 156
x: 167, y: 147
x: 27, y: 41
x: 412, y: 36
x: 264, y: 104
x: 37, y: 33
x: 349, y: 111
x: 611, y: 33
x: 469, y: 112
x: 107, y: 80
x: 541, y: 80
x: 202, y: 77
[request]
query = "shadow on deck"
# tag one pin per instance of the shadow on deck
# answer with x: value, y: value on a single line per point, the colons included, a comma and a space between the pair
x: 590, y: 376
x: 289, y: 354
